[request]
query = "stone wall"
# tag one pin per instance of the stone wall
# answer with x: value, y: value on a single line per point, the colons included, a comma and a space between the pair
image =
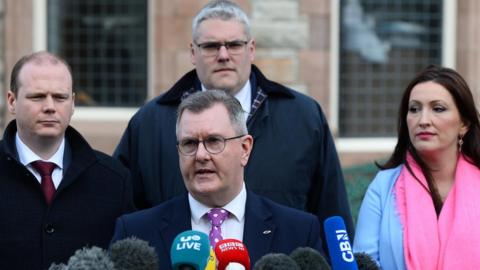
x: 281, y: 33
x: 468, y: 40
x: 293, y: 38
x: 17, y: 40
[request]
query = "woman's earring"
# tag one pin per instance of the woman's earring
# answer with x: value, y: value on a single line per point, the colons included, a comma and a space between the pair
x: 460, y: 143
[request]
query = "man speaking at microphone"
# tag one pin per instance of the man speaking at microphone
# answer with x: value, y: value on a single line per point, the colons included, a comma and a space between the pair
x: 214, y: 147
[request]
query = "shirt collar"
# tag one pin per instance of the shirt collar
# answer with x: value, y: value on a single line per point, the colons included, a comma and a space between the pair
x: 236, y: 207
x: 27, y: 156
x: 244, y: 96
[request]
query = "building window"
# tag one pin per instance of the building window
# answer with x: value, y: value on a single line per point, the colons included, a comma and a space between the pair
x: 383, y: 45
x: 105, y: 42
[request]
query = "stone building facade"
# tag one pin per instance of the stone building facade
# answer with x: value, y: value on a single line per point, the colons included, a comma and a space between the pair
x: 297, y: 45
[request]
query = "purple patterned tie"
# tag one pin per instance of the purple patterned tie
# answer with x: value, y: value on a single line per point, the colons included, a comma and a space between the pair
x: 216, y: 217
x: 45, y: 169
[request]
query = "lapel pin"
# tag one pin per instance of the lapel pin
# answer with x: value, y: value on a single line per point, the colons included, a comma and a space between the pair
x: 267, y: 232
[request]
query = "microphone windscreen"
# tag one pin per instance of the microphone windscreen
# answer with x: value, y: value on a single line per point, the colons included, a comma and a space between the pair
x: 231, y: 250
x: 93, y: 258
x: 60, y: 266
x: 212, y: 261
x: 235, y: 266
x: 309, y: 259
x: 276, y: 261
x: 338, y: 243
x: 190, y: 249
x: 133, y: 254
x: 365, y: 261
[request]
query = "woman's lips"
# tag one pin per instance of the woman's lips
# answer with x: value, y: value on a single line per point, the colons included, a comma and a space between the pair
x: 425, y: 135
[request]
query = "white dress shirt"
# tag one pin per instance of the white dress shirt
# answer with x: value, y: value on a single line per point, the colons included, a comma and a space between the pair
x: 232, y: 227
x: 244, y: 96
x: 27, y: 156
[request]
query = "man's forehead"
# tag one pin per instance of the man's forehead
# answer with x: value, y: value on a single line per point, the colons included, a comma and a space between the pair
x: 45, y: 62
x: 39, y: 78
x: 34, y: 69
x: 206, y: 29
x: 217, y: 109
x: 214, y: 120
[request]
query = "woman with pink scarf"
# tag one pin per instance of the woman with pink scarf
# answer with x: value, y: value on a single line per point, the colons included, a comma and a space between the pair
x: 422, y: 210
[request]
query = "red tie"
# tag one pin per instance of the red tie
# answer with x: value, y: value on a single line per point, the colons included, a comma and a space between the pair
x: 45, y: 169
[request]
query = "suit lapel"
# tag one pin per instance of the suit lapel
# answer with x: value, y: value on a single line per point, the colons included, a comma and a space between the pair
x: 177, y: 220
x: 259, y: 230
x: 258, y: 121
x: 77, y: 157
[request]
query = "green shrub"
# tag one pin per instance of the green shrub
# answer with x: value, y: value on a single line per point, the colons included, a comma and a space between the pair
x: 357, y: 179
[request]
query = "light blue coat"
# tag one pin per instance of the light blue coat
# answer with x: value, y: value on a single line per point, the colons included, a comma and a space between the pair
x: 379, y: 231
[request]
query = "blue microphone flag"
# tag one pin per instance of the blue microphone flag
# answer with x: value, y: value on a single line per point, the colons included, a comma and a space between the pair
x: 190, y: 248
x: 339, y: 247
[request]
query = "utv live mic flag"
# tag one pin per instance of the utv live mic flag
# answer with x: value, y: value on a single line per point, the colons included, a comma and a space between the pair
x: 190, y: 251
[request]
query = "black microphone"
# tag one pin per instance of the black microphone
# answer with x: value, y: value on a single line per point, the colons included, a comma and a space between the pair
x: 55, y: 266
x: 133, y: 254
x: 365, y: 261
x: 93, y: 258
x: 309, y: 259
x: 276, y: 261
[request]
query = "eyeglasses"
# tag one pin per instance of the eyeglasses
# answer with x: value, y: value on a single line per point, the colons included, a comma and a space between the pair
x: 212, y: 48
x: 213, y: 145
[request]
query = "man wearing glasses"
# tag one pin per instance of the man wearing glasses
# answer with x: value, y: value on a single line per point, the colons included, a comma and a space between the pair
x: 294, y: 161
x: 214, y: 147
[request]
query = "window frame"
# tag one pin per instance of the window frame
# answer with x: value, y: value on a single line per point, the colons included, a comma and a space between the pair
x: 378, y: 144
x: 99, y: 113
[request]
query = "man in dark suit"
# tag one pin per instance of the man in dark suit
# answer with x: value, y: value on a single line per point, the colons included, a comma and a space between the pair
x: 214, y: 147
x: 57, y: 193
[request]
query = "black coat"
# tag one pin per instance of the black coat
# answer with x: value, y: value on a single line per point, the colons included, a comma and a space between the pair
x: 293, y: 162
x: 94, y: 191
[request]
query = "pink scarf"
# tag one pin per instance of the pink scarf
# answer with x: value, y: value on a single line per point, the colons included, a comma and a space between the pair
x: 453, y: 240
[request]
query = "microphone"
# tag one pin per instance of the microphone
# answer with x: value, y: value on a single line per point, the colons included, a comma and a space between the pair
x: 309, y: 259
x: 230, y: 251
x: 276, y: 261
x: 365, y: 261
x: 133, y: 254
x: 212, y: 261
x: 234, y: 266
x: 93, y: 258
x: 55, y: 266
x: 338, y: 243
x: 190, y: 251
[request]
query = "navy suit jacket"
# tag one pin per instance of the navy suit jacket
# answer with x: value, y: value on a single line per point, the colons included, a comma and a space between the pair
x: 269, y: 227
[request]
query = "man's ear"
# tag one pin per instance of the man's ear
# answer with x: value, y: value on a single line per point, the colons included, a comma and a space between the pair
x: 251, y: 49
x: 247, y: 145
x: 11, y: 102
x: 73, y: 102
x: 192, y: 54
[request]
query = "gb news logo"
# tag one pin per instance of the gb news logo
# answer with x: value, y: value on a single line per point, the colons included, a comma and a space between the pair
x: 189, y: 242
x: 344, y: 245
